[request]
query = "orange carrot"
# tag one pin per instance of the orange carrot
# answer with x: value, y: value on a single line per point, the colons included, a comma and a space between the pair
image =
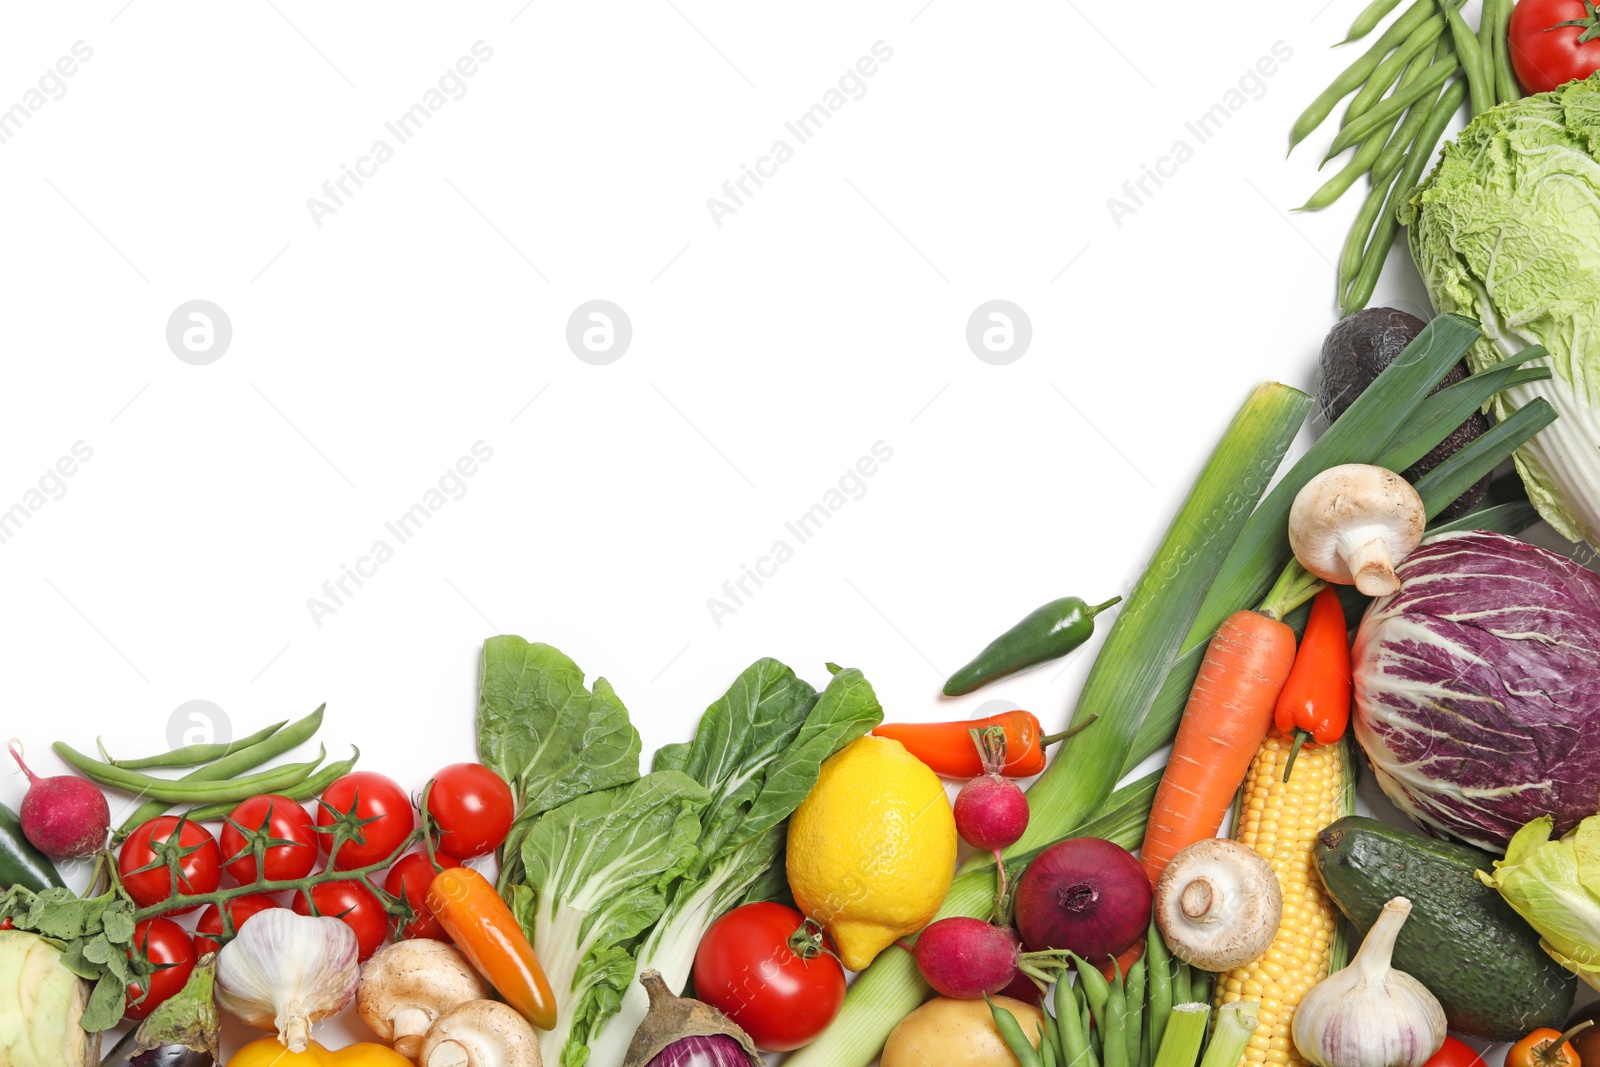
x: 1229, y: 712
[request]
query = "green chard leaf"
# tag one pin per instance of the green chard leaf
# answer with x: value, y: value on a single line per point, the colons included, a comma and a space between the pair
x: 547, y: 735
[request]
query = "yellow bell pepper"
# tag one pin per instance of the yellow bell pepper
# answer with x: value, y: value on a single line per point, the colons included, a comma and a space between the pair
x: 267, y: 1052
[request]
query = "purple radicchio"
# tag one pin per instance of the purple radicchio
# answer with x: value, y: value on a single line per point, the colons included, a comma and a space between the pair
x: 1477, y: 688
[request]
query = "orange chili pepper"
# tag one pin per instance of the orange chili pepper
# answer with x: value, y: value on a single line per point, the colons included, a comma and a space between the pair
x: 1546, y: 1048
x: 1314, y: 704
x: 947, y: 748
x: 486, y: 932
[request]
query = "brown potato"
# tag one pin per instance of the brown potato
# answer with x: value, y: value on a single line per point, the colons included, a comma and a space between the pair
x: 957, y: 1033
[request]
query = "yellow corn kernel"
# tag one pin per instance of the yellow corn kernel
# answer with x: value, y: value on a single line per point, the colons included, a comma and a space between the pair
x: 1281, y: 820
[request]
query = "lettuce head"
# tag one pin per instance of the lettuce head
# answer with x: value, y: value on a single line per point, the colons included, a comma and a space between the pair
x: 1507, y: 231
x: 1555, y: 886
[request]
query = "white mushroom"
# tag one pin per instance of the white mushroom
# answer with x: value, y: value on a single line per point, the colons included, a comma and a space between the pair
x: 1352, y: 524
x: 481, y: 1033
x: 408, y: 985
x: 1218, y: 905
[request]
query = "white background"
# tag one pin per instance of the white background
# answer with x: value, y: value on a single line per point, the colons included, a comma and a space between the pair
x: 429, y: 311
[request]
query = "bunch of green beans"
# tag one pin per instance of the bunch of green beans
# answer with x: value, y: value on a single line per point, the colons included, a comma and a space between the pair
x: 1407, y: 87
x: 219, y: 780
x: 1100, y: 1023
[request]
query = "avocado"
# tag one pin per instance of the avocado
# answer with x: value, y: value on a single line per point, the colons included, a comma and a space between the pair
x: 1462, y: 941
x: 1356, y: 351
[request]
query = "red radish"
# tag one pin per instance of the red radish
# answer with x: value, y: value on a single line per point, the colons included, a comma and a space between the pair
x: 991, y: 810
x: 64, y: 817
x: 1086, y: 895
x: 968, y: 958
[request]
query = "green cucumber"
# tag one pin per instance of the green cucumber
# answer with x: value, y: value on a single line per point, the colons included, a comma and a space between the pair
x: 1462, y: 941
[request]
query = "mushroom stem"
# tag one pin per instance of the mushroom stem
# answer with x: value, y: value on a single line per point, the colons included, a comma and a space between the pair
x: 1372, y: 566
x: 448, y: 1054
x: 1195, y: 900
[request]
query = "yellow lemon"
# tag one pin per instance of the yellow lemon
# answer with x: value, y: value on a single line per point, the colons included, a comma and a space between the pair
x: 872, y: 848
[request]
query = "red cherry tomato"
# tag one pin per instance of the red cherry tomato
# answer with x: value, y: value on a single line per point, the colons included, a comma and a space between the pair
x: 283, y: 820
x: 373, y: 796
x: 473, y: 808
x: 165, y: 944
x: 747, y: 968
x: 1547, y: 54
x: 1454, y: 1054
x: 198, y: 872
x: 240, y: 908
x: 352, y: 902
x: 410, y: 878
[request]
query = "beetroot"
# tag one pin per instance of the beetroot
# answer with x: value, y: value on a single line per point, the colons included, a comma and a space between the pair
x: 64, y: 817
x: 965, y: 959
x: 1086, y: 895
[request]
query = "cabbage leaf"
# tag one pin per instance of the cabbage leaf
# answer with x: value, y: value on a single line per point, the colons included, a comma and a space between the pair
x: 1555, y: 886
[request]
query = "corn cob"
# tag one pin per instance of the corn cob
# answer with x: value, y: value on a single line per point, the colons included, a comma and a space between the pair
x: 1281, y: 820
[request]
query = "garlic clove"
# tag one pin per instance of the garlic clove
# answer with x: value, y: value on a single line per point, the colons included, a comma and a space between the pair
x: 285, y: 971
x: 1369, y: 1014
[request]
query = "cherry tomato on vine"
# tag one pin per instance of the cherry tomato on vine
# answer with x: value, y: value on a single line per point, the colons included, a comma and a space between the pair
x: 1454, y: 1053
x: 281, y: 819
x: 240, y: 908
x: 352, y: 902
x: 372, y: 796
x: 199, y: 870
x: 1553, y: 42
x: 800, y: 985
x: 165, y: 944
x: 410, y: 878
x: 473, y: 808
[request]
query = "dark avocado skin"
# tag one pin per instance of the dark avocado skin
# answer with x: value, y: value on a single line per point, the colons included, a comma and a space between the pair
x: 1356, y: 351
x: 1461, y: 940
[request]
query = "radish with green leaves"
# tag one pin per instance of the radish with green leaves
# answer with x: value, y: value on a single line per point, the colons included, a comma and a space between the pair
x: 991, y: 810
x: 966, y: 958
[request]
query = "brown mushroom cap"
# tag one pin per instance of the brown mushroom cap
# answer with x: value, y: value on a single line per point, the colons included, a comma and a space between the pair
x: 1218, y: 905
x: 480, y: 1033
x: 408, y: 985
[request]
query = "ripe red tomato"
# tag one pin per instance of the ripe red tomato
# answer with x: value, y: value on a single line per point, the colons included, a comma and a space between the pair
x: 165, y: 944
x: 410, y: 878
x: 1545, y: 50
x: 199, y: 872
x: 1455, y: 1054
x: 353, y: 902
x: 472, y: 806
x: 240, y: 908
x: 747, y: 968
x: 373, y: 796
x: 283, y: 820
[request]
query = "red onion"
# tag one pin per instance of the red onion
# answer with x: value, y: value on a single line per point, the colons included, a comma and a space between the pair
x: 1084, y: 894
x: 715, y: 1050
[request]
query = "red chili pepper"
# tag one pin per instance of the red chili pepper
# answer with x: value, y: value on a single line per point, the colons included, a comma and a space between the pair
x: 1315, y: 702
x: 947, y: 747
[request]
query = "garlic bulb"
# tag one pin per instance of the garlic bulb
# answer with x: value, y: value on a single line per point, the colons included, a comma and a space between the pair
x: 285, y: 971
x: 1370, y: 1015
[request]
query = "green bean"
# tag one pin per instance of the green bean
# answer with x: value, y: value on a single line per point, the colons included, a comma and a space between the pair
x: 1351, y: 78
x: 1394, y: 153
x: 1069, y: 1029
x: 1160, y: 978
x: 1200, y: 987
x: 1094, y: 985
x: 194, y: 755
x: 1047, y: 1046
x: 1421, y: 153
x: 1091, y: 1032
x: 1434, y: 76
x: 1181, y: 983
x: 1369, y: 18
x: 1355, y: 242
x: 1364, y: 160
x: 1115, y: 1038
x: 1471, y: 57
x: 1506, y: 87
x: 231, y: 765
x: 1486, y: 22
x: 1011, y: 1033
x: 180, y: 792
x: 313, y: 786
x: 1389, y: 71
x: 1135, y: 1021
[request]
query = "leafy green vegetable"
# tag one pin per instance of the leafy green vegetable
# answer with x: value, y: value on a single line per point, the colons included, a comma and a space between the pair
x: 598, y: 869
x: 1505, y: 230
x: 93, y: 934
x: 758, y: 751
x: 1555, y: 886
x: 547, y: 735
